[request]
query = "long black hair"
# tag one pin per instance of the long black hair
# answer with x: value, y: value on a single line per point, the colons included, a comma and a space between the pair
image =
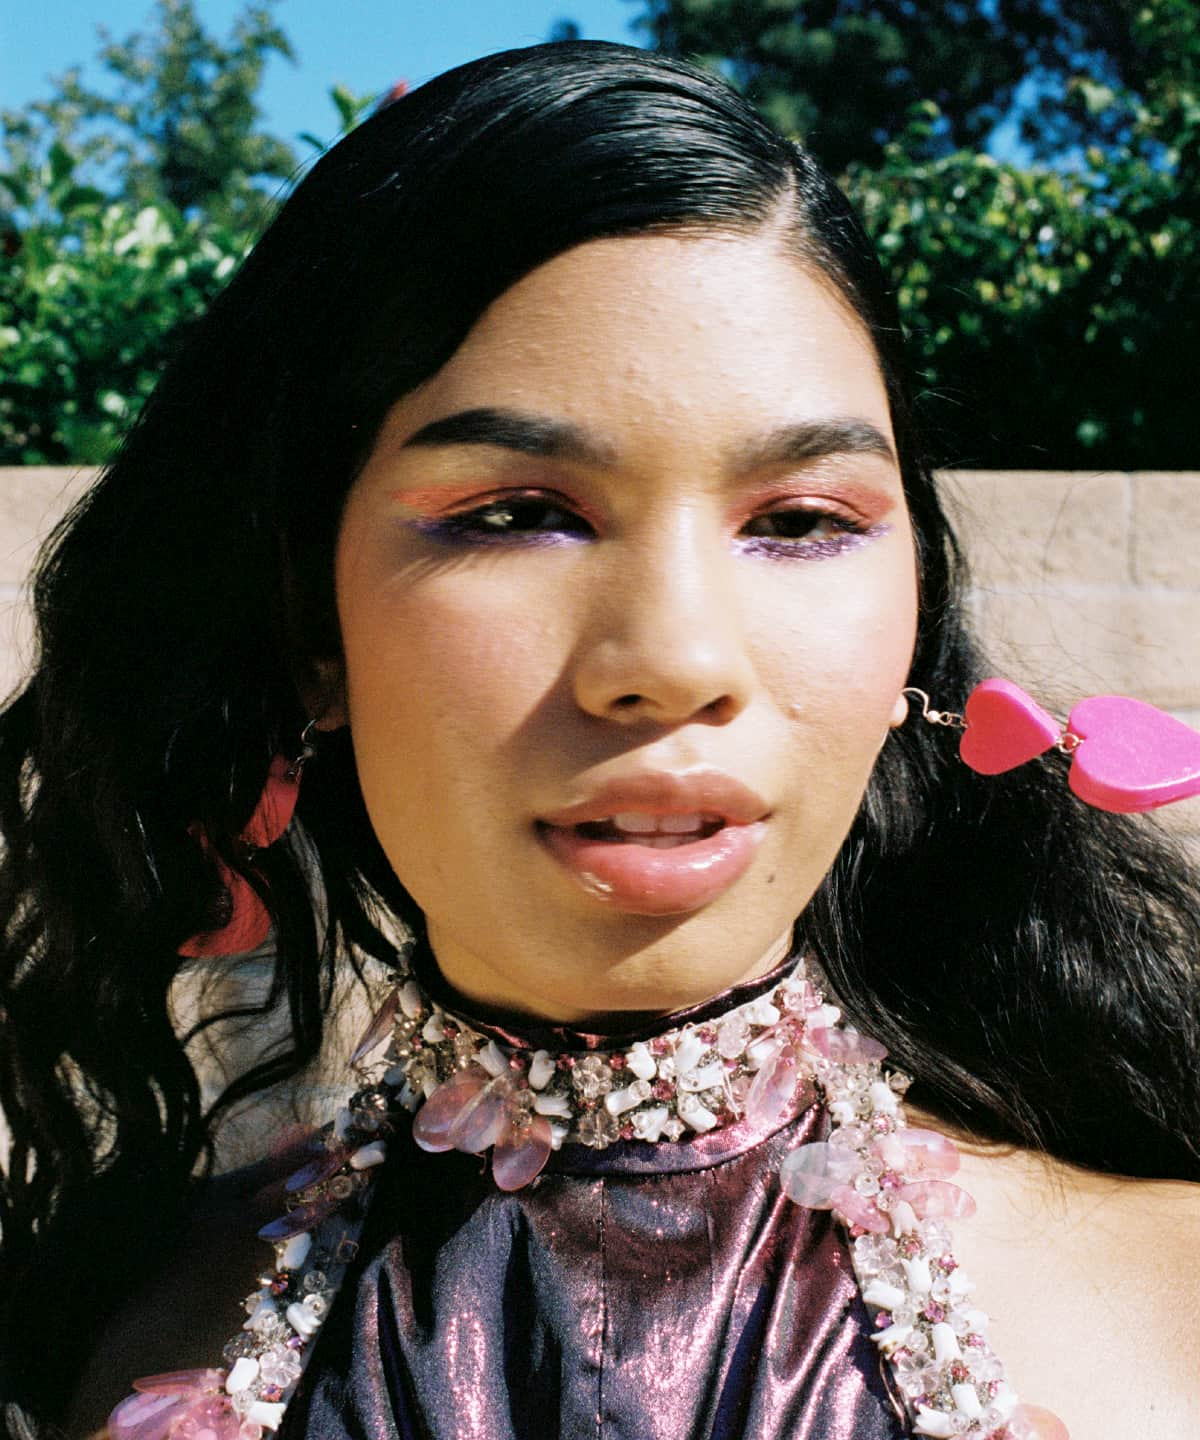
x: 1029, y: 962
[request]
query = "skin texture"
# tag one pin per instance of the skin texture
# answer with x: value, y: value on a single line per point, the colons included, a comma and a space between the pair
x: 652, y: 620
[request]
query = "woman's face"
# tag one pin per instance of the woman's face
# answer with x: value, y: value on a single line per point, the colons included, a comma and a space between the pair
x: 627, y: 598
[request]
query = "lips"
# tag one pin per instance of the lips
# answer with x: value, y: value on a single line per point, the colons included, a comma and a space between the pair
x: 657, y: 843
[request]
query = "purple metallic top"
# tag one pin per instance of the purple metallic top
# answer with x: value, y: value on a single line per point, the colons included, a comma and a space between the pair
x: 662, y: 1291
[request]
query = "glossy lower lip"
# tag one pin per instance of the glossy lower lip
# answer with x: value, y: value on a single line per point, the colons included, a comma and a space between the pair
x: 644, y: 881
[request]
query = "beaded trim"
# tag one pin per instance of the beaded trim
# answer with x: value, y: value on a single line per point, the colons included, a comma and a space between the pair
x: 883, y: 1180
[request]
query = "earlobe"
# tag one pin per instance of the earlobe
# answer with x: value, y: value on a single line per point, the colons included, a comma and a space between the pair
x: 324, y: 693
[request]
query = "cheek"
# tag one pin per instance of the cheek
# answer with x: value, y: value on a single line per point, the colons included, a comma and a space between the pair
x: 444, y: 675
x: 835, y: 661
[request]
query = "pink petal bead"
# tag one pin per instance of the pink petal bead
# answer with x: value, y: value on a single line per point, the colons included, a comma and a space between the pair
x: 812, y: 1173
x: 514, y: 1166
x: 302, y: 1218
x: 431, y: 1127
x: 319, y: 1168
x: 147, y: 1416
x: 208, y: 1420
x: 937, y: 1199
x: 844, y: 1047
x: 773, y: 1087
x: 1031, y: 1422
x: 176, y: 1382
x: 855, y: 1209
x: 482, y: 1120
x: 918, y: 1152
x: 379, y: 1028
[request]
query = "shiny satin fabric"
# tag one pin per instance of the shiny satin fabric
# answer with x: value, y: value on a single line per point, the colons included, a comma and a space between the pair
x: 643, y: 1292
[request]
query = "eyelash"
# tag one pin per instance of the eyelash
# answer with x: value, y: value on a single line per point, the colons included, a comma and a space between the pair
x: 478, y: 526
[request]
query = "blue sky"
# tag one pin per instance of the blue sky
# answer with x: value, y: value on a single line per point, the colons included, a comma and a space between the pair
x: 364, y: 44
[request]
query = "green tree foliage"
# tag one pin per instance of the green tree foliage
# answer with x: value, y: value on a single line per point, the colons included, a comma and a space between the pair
x: 844, y: 74
x: 121, y: 215
x: 1053, y: 308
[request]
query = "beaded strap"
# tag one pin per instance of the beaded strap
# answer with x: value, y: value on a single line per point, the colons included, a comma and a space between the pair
x: 882, y: 1179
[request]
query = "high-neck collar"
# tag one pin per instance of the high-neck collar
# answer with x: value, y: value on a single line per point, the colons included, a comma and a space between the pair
x: 529, y: 1033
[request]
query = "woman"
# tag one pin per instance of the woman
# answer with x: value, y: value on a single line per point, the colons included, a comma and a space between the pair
x: 549, y: 465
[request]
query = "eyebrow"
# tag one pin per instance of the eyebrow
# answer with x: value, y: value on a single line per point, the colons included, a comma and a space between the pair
x: 562, y: 440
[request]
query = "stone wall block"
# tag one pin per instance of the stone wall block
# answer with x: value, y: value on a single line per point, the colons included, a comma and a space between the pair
x: 1166, y: 529
x: 1079, y: 641
x: 1027, y: 527
x: 31, y: 499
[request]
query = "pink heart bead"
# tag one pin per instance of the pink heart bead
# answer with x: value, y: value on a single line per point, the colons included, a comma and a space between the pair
x: 844, y: 1047
x: 1131, y: 756
x: 916, y: 1153
x: 812, y: 1174
x: 1005, y: 728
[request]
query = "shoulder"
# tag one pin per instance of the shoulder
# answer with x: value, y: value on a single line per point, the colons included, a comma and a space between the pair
x: 1089, y: 1281
x: 183, y: 1317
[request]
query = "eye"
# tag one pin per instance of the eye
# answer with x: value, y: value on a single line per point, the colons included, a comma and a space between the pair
x: 796, y: 524
x: 519, y: 515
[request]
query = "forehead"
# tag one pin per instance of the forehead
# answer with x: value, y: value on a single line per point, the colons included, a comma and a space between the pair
x: 646, y: 334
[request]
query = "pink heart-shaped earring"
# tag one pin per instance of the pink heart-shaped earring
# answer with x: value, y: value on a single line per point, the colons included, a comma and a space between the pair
x: 1126, y: 756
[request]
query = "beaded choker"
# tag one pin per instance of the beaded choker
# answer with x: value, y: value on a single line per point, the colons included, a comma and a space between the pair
x: 471, y: 1090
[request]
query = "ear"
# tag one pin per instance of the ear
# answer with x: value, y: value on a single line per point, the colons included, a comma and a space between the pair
x: 323, y: 691
x: 899, y: 712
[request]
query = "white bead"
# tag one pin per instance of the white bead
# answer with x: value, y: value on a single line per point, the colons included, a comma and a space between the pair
x: 889, y: 1339
x: 760, y: 1051
x: 711, y: 1077
x: 841, y: 1112
x: 762, y: 1012
x: 960, y: 1283
x: 294, y: 1252
x: 904, y: 1218
x: 369, y: 1155
x: 967, y: 1401
x: 1005, y: 1398
x: 553, y: 1104
x: 883, y: 1098
x: 933, y: 1422
x: 242, y: 1375
x: 558, y: 1133
x: 410, y: 1000
x: 879, y: 1292
x: 433, y: 1030
x: 640, y: 1061
x: 688, y: 1050
x: 823, y: 1017
x: 267, y: 1413
x: 919, y: 1278
x: 491, y: 1057
x: 616, y: 1102
x: 945, y: 1343
x: 648, y: 1124
x: 541, y: 1069
x: 302, y: 1320
x: 977, y: 1320
x: 698, y: 1116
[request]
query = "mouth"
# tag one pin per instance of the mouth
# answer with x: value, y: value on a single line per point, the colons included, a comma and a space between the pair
x: 654, y: 864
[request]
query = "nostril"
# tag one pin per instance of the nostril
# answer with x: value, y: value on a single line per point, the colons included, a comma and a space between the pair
x: 627, y: 702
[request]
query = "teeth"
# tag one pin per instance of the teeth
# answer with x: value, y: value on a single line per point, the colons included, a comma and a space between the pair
x: 634, y: 823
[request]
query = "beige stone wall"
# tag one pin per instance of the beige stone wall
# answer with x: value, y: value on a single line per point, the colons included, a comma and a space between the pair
x: 1085, y: 583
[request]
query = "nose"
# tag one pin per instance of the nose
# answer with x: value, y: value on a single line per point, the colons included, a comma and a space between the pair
x: 665, y: 642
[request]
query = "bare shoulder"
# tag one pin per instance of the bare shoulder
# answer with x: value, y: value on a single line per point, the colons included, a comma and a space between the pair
x: 182, y: 1318
x: 1090, y: 1281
